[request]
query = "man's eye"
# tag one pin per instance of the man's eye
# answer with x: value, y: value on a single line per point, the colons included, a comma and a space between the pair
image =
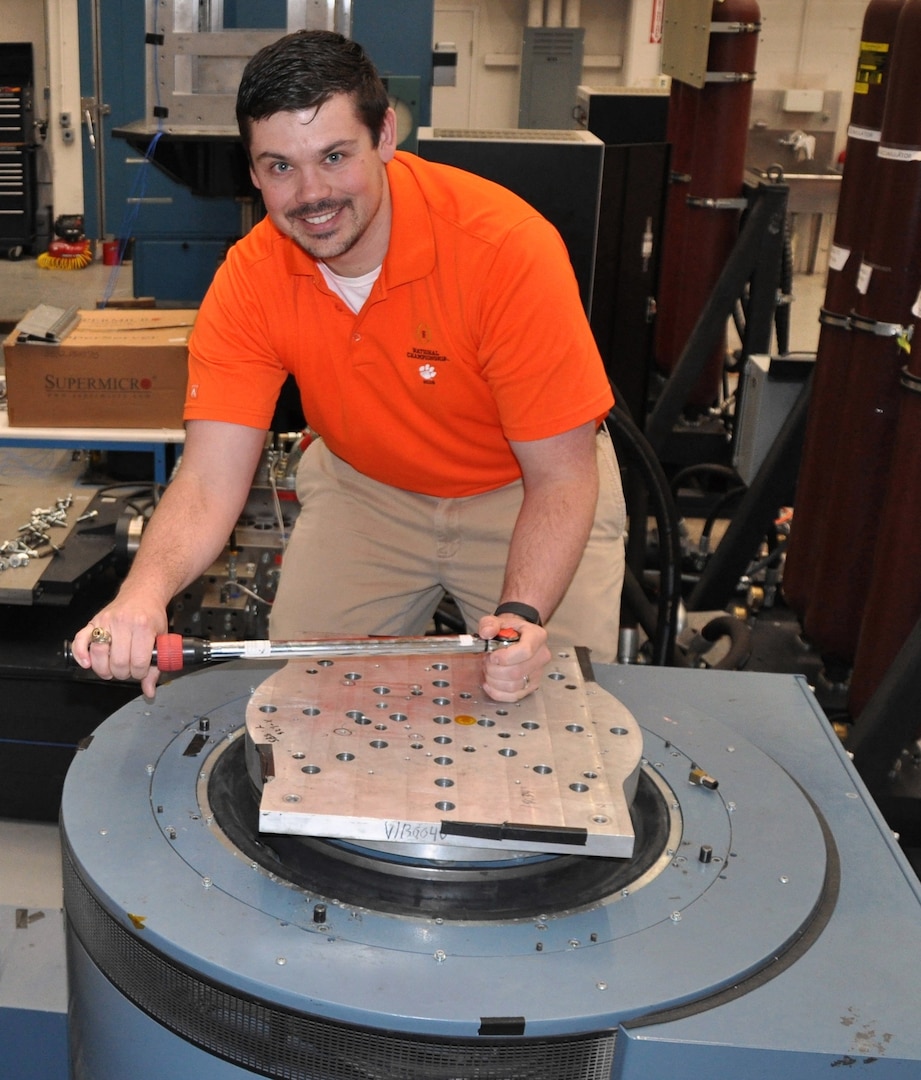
x: 334, y: 159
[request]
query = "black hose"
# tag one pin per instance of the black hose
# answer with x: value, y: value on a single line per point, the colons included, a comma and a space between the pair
x: 634, y: 449
x: 724, y: 500
x: 740, y: 638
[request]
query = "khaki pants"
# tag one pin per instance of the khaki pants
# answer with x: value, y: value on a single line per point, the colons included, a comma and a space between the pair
x: 365, y: 558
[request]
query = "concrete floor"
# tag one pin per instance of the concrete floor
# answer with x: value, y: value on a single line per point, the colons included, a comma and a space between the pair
x: 24, y: 284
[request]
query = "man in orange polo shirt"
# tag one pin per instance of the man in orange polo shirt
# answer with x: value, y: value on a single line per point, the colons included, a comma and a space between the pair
x: 433, y: 324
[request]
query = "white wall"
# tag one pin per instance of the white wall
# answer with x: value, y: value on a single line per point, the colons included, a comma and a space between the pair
x: 53, y: 34
x: 804, y: 44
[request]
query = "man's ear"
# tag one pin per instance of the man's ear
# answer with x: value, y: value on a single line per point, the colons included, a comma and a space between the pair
x: 387, y: 143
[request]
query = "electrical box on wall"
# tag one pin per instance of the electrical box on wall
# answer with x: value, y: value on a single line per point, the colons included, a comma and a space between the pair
x: 551, y: 68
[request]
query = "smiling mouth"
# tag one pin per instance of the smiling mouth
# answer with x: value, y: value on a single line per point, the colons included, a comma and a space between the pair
x: 322, y: 219
x: 318, y: 218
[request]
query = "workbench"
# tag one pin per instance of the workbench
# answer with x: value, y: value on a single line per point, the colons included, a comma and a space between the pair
x: 152, y: 440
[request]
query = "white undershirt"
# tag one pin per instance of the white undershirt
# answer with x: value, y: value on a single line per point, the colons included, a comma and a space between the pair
x: 353, y: 290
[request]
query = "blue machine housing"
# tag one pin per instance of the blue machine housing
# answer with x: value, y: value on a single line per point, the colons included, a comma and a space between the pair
x: 776, y: 932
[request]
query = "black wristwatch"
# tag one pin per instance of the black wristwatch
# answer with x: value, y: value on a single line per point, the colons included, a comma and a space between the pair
x: 512, y: 607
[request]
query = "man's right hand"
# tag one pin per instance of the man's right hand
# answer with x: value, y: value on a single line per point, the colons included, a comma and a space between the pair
x: 117, y: 643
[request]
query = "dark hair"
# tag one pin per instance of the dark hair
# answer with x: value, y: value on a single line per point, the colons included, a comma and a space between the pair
x: 305, y: 69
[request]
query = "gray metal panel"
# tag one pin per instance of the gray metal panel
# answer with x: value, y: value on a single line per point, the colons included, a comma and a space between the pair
x: 196, y: 70
x: 686, y: 41
x: 764, y: 405
x: 850, y: 1000
x: 551, y: 70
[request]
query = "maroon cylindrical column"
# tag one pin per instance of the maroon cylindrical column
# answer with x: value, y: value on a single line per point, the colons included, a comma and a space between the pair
x: 820, y: 447
x: 893, y: 604
x: 887, y: 287
x: 709, y: 155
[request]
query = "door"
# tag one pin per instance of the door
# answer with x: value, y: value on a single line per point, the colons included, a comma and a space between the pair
x: 453, y: 106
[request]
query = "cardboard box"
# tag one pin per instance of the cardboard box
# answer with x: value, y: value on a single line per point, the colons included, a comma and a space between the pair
x: 115, y: 369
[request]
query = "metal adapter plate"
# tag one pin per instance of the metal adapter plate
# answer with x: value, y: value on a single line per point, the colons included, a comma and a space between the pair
x: 408, y: 750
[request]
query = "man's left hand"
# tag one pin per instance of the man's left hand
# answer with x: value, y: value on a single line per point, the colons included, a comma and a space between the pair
x: 513, y: 672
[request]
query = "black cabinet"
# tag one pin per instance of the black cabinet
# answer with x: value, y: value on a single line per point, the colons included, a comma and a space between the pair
x: 18, y: 182
x: 17, y: 199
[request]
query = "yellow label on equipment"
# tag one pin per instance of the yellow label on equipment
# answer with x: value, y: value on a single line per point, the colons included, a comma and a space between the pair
x: 874, y: 55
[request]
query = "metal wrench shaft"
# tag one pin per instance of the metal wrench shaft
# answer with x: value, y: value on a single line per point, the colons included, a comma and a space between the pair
x: 173, y: 651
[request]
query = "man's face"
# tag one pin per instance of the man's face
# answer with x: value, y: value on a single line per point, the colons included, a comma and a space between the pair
x: 324, y: 184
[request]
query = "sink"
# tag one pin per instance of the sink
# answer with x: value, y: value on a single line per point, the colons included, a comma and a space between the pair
x: 814, y: 182
x: 813, y: 189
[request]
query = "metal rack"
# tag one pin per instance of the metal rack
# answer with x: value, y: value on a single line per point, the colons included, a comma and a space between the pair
x: 18, y: 186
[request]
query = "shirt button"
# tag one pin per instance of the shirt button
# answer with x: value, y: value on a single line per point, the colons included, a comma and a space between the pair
x: 356, y: 337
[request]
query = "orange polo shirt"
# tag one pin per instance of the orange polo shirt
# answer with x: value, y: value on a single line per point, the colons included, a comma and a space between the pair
x: 473, y: 335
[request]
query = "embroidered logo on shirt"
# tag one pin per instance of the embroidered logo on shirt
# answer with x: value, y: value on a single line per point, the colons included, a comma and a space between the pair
x: 428, y: 373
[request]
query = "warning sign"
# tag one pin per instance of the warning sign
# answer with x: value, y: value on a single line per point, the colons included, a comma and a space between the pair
x: 655, y: 28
